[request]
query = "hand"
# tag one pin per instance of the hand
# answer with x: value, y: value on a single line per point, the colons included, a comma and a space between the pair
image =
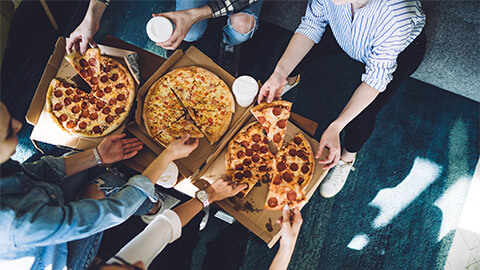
x: 181, y: 148
x: 331, y: 140
x: 82, y: 37
x: 291, y: 221
x: 183, y: 21
x: 114, y: 148
x: 272, y: 89
x: 222, y: 189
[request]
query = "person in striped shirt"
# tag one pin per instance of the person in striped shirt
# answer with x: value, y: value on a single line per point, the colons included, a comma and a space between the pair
x: 385, y: 35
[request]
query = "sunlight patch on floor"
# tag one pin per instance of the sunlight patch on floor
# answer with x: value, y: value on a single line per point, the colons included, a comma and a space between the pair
x: 359, y: 242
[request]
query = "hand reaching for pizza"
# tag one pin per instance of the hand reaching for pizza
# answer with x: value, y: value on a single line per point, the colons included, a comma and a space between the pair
x: 331, y: 140
x: 181, y: 148
x: 272, y: 89
x: 222, y: 189
x: 82, y: 37
x: 291, y: 221
x: 115, y: 148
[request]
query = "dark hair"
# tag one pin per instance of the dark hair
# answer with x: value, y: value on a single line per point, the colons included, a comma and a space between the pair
x: 98, y: 263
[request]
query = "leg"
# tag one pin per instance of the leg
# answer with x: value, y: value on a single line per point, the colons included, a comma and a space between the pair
x: 197, y: 30
x: 242, y: 25
x: 82, y: 252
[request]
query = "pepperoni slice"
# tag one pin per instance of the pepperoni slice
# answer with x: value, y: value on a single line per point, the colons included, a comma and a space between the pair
x: 249, y: 152
x: 93, y: 116
x: 119, y: 86
x: 100, y: 104
x: 292, y: 152
x: 106, y: 110
x: 261, y: 119
x: 66, y: 85
x: 247, y: 174
x: 300, y: 180
x: 255, y: 158
x: 96, y: 129
x: 282, y: 123
x: 100, y: 93
x: 69, y: 92
x: 67, y: 101
x: 305, y: 168
x: 300, y: 153
x: 287, y: 176
x: 240, y: 154
x: 94, y: 81
x: 92, y: 100
x: 112, y: 101
x: 247, y: 161
x: 109, y: 119
x: 76, y: 98
x: 63, y: 117
x: 291, y: 195
x: 107, y: 69
x: 57, y: 107
x: 58, y: 93
x: 244, y: 144
x: 238, y: 175
x: 262, y: 168
x: 239, y: 167
x: 82, y: 125
x: 83, y: 63
x: 83, y: 73
x: 75, y: 109
x: 272, y: 202
x: 277, y: 138
x: 256, y: 138
x: 114, y: 77
x: 79, y: 92
x: 119, y: 110
x: 104, y: 79
x: 294, y: 167
x: 84, y: 114
x: 256, y: 147
x: 121, y: 97
x: 281, y: 166
x: 297, y: 140
x: 107, y: 89
x: 264, y: 149
x: 70, y: 124
x: 277, y: 180
x: 90, y: 72
x: 92, y: 62
x: 84, y: 105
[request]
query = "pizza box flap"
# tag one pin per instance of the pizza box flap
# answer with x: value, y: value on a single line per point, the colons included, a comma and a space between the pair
x: 45, y: 129
x: 249, y: 211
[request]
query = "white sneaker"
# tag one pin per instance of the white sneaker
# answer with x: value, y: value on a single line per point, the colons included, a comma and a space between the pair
x: 289, y: 87
x: 336, y: 178
x: 166, y: 202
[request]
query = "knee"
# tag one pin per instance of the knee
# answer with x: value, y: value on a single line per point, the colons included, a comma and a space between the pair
x: 93, y: 192
x: 242, y: 22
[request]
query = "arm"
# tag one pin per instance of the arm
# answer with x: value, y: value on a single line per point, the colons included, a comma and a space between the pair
x: 83, y: 34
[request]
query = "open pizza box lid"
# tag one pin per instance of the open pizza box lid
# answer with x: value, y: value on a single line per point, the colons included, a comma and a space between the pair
x: 45, y: 129
x: 191, y: 166
x: 249, y: 211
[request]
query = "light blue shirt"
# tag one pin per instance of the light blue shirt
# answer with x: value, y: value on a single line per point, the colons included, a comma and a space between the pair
x: 36, y: 224
x: 374, y: 35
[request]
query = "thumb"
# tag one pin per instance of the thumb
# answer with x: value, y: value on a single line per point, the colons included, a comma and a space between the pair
x: 83, y: 46
x: 271, y: 95
x: 185, y: 138
x: 286, y: 214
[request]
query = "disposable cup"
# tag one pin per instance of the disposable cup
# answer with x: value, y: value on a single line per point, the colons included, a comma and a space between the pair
x: 169, y: 177
x: 245, y: 89
x: 159, y: 29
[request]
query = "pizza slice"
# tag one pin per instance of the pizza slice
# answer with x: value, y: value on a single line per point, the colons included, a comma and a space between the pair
x: 273, y: 117
x: 114, y: 82
x: 182, y: 83
x: 87, y: 65
x: 92, y: 121
x: 280, y: 194
x: 212, y: 123
x: 176, y: 130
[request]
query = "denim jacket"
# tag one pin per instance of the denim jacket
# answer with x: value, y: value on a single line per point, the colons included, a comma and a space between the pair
x: 36, y: 223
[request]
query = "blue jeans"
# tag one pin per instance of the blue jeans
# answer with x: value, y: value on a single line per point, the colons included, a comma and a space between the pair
x: 230, y: 36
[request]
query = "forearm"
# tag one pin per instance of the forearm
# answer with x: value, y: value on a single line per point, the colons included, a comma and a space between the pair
x: 296, y: 50
x: 79, y: 162
x: 201, y: 13
x: 95, y: 12
x: 282, y: 258
x: 361, y: 98
x: 157, y: 167
x: 188, y: 210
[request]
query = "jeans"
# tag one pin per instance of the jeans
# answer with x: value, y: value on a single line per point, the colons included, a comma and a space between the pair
x: 230, y: 36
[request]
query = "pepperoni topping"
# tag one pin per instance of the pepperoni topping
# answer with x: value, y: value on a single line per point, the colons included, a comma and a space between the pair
x: 305, y: 168
x: 114, y: 77
x: 82, y: 125
x: 112, y: 101
x: 76, y: 98
x: 294, y: 167
x: 92, y: 100
x: 256, y: 147
x: 84, y: 105
x: 292, y: 152
x: 277, y: 138
x: 75, y: 109
x: 247, y: 173
x: 261, y: 119
x: 83, y: 73
x: 106, y: 110
x: 79, y: 92
x: 92, y: 61
x: 90, y: 72
x: 99, y: 93
x: 66, y: 85
x: 272, y: 202
x: 57, y: 107
x: 109, y: 119
x: 83, y: 63
x: 84, y: 114
x: 119, y: 86
x: 262, y: 168
x: 104, y: 79
x: 100, y: 104
x: 70, y: 124
x: 291, y: 195
x: 107, y: 68
x: 297, y: 140
x: 63, y: 117
x: 244, y: 144
x: 255, y: 158
x: 121, y: 97
x: 287, y: 176
x: 96, y: 129
x: 67, y: 101
x: 281, y: 166
x: 300, y: 153
x: 240, y: 154
x: 249, y: 152
x: 264, y: 149
x: 94, y: 81
x: 247, y: 161
x: 239, y: 167
x: 58, y: 93
x: 277, y: 111
x: 282, y: 123
x: 93, y: 116
x: 238, y: 175
x: 256, y: 138
x: 107, y: 89
x: 69, y: 92
x: 119, y: 110
x: 300, y: 180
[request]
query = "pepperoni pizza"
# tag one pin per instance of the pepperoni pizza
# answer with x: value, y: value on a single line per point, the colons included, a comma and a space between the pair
x: 273, y: 117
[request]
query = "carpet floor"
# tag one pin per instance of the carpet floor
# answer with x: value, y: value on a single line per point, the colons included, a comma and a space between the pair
x: 399, y: 208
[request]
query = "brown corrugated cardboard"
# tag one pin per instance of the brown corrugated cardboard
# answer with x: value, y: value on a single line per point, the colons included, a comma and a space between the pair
x: 250, y: 210
x: 45, y: 129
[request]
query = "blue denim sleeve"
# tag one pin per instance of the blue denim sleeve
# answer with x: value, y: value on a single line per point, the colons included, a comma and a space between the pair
x: 47, y: 224
x: 49, y: 169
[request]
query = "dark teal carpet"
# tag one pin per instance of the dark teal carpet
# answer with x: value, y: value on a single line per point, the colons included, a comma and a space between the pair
x: 399, y: 207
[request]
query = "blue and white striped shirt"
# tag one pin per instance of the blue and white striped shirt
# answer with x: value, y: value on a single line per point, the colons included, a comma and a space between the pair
x: 376, y: 35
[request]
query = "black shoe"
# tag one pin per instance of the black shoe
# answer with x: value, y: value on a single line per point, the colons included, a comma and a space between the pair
x: 183, y: 46
x: 229, y: 58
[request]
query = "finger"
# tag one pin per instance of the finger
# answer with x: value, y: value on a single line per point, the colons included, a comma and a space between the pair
x: 83, y: 46
x: 329, y: 165
x: 93, y: 43
x: 263, y: 93
x: 130, y: 140
x: 129, y: 155
x: 71, y: 43
x: 184, y: 138
x: 271, y: 95
x: 239, y: 188
x: 297, y: 216
x: 330, y: 157
x: 133, y: 149
x: 116, y: 137
x: 194, y: 143
x: 286, y: 215
x: 320, y: 150
x: 77, y: 46
x: 132, y: 145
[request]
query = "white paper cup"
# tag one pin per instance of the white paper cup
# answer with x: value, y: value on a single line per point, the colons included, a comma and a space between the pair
x: 245, y: 89
x: 169, y: 177
x: 159, y: 29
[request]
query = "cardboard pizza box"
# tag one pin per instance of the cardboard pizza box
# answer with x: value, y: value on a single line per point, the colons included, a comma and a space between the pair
x: 190, y: 167
x: 45, y: 129
x: 249, y: 211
